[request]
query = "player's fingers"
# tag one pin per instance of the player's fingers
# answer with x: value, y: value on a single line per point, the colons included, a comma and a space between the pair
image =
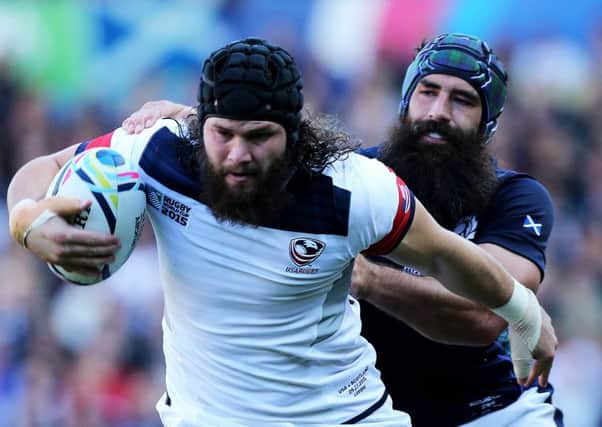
x: 532, y: 376
x: 90, y: 251
x: 151, y: 118
x: 522, y: 369
x: 541, y: 368
x: 138, y: 127
x: 86, y: 271
x: 136, y: 122
x: 148, y: 115
x: 90, y: 239
x: 545, y: 369
x: 84, y: 262
x: 146, y: 120
x: 128, y: 125
x: 65, y: 206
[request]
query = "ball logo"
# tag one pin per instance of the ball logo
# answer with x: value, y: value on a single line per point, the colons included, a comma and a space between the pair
x: 81, y: 218
x: 304, y: 250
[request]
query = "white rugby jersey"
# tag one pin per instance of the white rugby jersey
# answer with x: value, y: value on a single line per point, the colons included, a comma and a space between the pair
x: 258, y: 325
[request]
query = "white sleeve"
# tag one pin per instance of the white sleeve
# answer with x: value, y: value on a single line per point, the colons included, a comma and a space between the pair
x: 382, y: 206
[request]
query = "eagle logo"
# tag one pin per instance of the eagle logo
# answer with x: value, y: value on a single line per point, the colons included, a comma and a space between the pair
x: 304, y: 250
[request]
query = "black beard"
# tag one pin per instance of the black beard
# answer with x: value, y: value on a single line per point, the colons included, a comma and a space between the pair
x: 452, y: 180
x: 259, y: 206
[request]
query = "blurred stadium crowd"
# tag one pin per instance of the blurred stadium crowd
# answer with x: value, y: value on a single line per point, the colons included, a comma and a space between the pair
x: 92, y: 357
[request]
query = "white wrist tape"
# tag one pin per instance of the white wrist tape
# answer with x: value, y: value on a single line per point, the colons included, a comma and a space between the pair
x: 41, y: 219
x: 23, y: 203
x: 15, y: 228
x: 516, y: 306
x: 523, y: 314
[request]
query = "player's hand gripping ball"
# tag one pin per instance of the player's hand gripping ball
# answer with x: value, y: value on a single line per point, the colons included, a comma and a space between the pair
x: 118, y: 203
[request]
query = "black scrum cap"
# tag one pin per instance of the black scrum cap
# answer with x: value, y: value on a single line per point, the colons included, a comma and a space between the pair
x: 252, y: 79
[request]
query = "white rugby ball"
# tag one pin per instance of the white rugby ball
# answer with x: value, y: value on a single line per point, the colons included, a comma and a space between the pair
x: 118, y: 203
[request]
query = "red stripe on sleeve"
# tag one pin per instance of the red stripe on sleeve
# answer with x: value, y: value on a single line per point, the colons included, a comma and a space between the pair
x: 401, y: 223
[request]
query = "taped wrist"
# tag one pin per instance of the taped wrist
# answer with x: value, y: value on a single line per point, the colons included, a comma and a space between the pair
x: 25, y: 217
x: 41, y: 219
x: 523, y: 314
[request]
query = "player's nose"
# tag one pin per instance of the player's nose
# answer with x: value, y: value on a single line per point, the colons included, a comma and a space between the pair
x: 439, y: 109
x: 239, y: 151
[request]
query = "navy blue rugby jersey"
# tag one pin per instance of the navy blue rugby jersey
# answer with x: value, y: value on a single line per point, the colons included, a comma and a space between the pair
x: 447, y: 385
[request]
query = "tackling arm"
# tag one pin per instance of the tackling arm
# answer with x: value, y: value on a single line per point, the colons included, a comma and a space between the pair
x: 147, y: 115
x: 430, y: 308
x: 425, y: 304
x: 457, y: 263
x: 469, y: 271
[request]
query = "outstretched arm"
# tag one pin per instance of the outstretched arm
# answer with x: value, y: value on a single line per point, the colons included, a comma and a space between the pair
x: 459, y: 264
x: 469, y: 271
x: 430, y: 308
x: 424, y: 304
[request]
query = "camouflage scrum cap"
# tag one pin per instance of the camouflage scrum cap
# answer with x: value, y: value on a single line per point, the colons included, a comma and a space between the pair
x: 252, y: 79
x: 468, y: 58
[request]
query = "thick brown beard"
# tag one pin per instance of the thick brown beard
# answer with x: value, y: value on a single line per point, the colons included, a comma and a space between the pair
x: 452, y: 180
x: 256, y: 207
x: 320, y: 142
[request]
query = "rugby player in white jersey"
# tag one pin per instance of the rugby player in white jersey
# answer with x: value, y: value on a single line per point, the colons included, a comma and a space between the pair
x: 258, y: 216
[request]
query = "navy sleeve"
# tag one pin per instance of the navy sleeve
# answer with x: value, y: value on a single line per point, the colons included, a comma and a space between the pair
x: 370, y: 152
x: 519, y: 219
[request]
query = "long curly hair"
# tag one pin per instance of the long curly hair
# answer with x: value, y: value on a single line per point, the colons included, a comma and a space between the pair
x: 322, y: 140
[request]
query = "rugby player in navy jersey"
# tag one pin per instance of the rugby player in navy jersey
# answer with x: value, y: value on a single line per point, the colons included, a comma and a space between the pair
x: 258, y: 326
x: 454, y: 366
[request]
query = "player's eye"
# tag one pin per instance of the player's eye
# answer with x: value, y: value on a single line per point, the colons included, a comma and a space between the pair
x: 428, y: 92
x: 465, y: 101
x: 223, y: 133
x: 259, y: 136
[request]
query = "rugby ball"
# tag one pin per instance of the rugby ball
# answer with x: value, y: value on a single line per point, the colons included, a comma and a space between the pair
x: 118, y: 203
